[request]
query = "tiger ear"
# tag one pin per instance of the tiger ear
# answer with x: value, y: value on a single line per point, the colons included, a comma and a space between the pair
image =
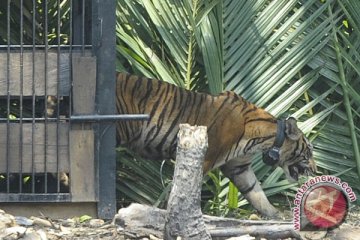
x: 291, y: 129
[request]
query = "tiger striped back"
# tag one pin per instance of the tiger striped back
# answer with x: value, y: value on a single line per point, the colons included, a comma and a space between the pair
x: 225, y: 116
x: 236, y: 130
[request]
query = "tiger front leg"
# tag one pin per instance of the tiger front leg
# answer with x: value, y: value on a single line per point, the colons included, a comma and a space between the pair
x: 245, y: 180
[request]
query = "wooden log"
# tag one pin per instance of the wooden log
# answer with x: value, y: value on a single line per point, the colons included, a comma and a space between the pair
x: 139, y: 221
x: 257, y: 231
x: 184, y: 217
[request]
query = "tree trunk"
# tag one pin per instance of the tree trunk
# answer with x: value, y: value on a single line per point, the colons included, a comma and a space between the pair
x: 184, y: 218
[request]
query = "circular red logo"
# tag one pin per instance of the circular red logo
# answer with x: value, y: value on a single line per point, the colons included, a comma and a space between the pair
x: 325, y: 206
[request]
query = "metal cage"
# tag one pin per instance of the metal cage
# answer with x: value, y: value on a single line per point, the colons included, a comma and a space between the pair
x: 57, y: 77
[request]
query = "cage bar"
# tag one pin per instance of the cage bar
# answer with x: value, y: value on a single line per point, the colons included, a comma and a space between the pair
x: 45, y: 3
x: 58, y: 96
x: 24, y: 65
x: 8, y: 99
x: 33, y: 99
x: 21, y: 96
x: 103, y: 40
x: 109, y: 118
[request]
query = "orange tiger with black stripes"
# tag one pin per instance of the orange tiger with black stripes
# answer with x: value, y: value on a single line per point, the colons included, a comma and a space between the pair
x: 236, y: 130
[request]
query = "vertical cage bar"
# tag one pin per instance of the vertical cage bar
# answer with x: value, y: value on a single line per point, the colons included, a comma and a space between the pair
x: 21, y: 96
x: 81, y: 16
x: 83, y: 27
x: 46, y: 95
x: 103, y: 42
x: 33, y: 98
x: 70, y: 88
x: 8, y: 99
x: 58, y: 98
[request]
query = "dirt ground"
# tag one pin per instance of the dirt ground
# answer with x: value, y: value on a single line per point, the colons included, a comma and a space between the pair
x: 43, y: 228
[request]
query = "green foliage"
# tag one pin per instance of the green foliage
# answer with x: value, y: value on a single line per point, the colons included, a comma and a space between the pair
x: 142, y: 181
x: 43, y: 33
x: 214, y: 183
x: 298, y: 58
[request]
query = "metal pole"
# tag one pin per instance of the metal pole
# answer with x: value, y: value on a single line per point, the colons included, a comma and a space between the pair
x: 109, y: 118
x: 103, y: 41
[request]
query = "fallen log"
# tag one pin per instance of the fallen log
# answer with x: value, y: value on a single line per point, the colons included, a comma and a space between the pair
x: 139, y: 221
x: 258, y: 231
x: 184, y: 217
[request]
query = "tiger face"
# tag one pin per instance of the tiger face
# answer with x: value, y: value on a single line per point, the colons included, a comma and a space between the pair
x: 296, y: 154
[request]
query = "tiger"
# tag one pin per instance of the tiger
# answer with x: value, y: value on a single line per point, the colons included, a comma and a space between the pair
x: 236, y: 129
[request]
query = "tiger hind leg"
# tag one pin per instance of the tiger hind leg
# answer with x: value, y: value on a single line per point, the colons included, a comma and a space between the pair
x: 245, y: 180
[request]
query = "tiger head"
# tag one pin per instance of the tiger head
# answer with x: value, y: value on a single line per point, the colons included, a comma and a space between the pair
x: 292, y: 151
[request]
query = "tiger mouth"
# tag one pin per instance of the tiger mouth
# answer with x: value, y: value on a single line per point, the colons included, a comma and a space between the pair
x: 301, y: 168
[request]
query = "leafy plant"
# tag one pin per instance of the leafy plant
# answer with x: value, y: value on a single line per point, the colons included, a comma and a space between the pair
x: 27, y: 22
x: 143, y: 181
